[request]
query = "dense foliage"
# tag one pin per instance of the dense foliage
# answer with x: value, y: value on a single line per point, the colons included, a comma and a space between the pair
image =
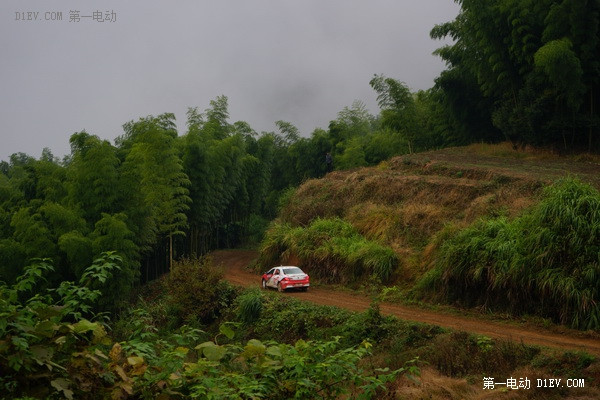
x: 330, y: 249
x: 45, y: 335
x: 532, y: 68
x: 78, y: 234
x: 53, y: 346
x: 526, y: 71
x: 544, y: 262
x: 197, y: 291
x: 156, y: 196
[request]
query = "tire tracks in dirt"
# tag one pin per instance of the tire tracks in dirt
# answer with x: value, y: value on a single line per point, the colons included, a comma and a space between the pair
x: 235, y: 263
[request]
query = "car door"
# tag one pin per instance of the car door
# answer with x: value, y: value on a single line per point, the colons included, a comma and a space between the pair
x: 267, y: 276
x: 273, y: 279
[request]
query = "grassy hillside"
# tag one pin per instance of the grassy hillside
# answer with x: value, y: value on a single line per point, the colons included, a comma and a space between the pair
x: 415, y: 204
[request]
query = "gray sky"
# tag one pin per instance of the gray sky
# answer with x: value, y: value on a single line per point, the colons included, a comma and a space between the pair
x: 301, y: 61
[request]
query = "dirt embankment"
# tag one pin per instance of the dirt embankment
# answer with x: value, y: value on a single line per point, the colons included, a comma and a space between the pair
x: 234, y: 262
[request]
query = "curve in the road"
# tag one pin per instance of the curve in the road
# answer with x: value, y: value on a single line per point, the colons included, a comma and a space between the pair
x: 235, y: 262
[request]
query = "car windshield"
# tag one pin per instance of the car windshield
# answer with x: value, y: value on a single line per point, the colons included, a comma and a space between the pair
x: 292, y: 271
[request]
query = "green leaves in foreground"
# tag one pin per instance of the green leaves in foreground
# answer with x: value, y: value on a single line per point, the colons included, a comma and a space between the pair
x: 51, y: 348
x: 270, y: 370
x: 254, y: 370
x: 41, y: 334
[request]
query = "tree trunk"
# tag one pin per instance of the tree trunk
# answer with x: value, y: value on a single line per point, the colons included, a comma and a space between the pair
x: 591, y: 119
x: 170, y: 250
x: 194, y: 241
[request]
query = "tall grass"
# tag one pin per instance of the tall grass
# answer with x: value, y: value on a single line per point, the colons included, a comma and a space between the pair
x: 250, y: 306
x: 546, y: 262
x: 330, y: 249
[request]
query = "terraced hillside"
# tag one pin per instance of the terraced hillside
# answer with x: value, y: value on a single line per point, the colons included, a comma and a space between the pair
x: 523, y: 251
x: 411, y: 200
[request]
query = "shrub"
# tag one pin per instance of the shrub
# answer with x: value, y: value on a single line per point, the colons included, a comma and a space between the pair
x: 370, y: 324
x: 288, y: 320
x: 250, y: 306
x: 306, y: 370
x: 572, y: 364
x: 40, y: 334
x: 197, y: 291
x: 48, y: 350
x: 330, y: 249
x: 458, y: 354
x: 543, y: 263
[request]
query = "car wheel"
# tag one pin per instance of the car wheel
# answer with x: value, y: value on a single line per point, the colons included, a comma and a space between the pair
x: 264, y: 284
x: 279, y: 287
x: 305, y: 289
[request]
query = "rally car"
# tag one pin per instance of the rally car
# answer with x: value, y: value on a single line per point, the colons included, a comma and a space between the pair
x: 285, y: 277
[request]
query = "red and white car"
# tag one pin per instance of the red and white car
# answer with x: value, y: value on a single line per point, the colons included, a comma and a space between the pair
x: 285, y: 277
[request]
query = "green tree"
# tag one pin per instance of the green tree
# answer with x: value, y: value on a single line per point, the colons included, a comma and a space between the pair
x: 309, y: 154
x: 13, y: 255
x: 154, y: 161
x: 384, y: 144
x: 535, y: 62
x: 217, y: 116
x: 578, y: 22
x: 398, y: 109
x: 77, y: 249
x: 50, y: 177
x: 289, y: 132
x: 32, y: 232
x: 218, y: 168
x: 67, y: 230
x: 93, y: 175
x: 111, y: 232
x: 353, y: 155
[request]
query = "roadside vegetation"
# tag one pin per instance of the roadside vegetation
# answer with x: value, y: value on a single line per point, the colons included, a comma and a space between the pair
x: 545, y: 262
x: 482, y: 225
x: 473, y: 236
x: 331, y: 250
x: 248, y: 344
x: 54, y: 345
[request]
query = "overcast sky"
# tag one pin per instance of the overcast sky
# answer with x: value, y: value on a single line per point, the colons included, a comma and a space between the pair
x: 300, y: 61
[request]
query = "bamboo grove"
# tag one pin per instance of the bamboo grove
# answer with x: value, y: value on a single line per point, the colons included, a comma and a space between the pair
x: 524, y: 70
x: 156, y: 195
x: 527, y: 71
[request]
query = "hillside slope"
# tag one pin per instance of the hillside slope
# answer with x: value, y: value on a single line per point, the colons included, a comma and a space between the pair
x: 412, y: 202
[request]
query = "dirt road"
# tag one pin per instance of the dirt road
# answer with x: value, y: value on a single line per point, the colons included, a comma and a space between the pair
x: 235, y: 262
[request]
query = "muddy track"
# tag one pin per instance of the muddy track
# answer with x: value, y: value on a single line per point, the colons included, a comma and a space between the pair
x: 235, y: 262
